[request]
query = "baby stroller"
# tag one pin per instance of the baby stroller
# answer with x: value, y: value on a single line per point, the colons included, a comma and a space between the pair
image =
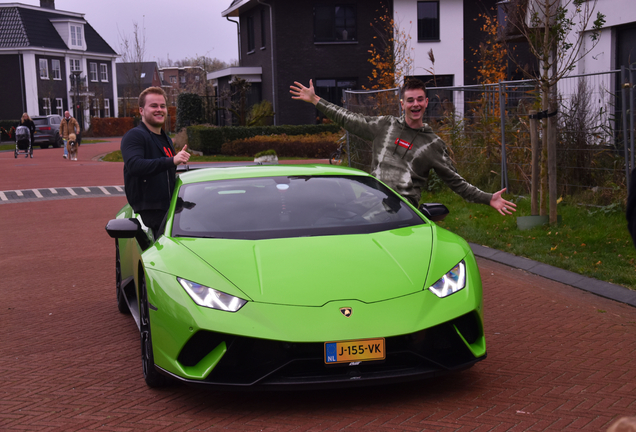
x: 23, y: 141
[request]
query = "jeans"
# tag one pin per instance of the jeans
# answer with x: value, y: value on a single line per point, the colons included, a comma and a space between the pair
x: 65, y: 149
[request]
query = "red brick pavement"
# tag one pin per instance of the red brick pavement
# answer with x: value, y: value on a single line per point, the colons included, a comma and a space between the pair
x: 558, y: 358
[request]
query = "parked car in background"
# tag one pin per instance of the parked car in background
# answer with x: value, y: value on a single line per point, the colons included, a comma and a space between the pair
x: 47, y: 131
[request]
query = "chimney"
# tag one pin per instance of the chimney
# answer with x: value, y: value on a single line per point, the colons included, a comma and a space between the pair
x: 47, y: 4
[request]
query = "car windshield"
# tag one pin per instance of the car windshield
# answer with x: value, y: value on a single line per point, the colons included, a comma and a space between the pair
x: 278, y: 207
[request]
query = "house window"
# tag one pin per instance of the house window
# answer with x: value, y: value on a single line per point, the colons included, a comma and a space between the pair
x: 44, y: 69
x: 106, y: 107
x: 46, y: 106
x: 103, y: 72
x: 96, y: 107
x: 173, y: 79
x: 183, y: 79
x: 332, y: 89
x: 93, y: 71
x: 56, y: 70
x: 59, y: 106
x: 335, y: 23
x: 196, y: 77
x: 75, y: 65
x: 263, y: 33
x: 76, y: 35
x: 428, y: 20
x: 250, y: 33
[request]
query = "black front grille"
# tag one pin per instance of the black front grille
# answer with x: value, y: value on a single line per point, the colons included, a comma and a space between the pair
x: 251, y: 361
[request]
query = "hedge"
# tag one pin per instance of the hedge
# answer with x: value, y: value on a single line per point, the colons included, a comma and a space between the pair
x: 307, y: 146
x: 210, y: 139
x: 5, y: 128
x: 110, y: 126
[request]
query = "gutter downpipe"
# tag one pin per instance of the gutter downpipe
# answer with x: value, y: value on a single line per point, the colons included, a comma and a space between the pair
x: 271, y: 41
x: 238, y: 33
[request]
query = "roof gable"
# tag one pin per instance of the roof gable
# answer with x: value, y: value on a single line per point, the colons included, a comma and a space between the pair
x: 32, y: 27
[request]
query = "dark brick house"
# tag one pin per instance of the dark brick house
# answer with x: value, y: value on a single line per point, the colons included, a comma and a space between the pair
x: 289, y: 40
x: 40, y: 48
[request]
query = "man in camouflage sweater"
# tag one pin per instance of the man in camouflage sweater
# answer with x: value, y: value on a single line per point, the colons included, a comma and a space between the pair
x: 405, y: 149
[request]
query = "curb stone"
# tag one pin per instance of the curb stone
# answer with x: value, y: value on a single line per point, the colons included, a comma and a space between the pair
x: 604, y: 289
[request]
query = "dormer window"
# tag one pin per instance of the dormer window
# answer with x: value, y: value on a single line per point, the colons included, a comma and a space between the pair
x: 76, y: 35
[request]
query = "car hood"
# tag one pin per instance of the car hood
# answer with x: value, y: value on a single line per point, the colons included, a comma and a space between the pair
x: 311, y: 271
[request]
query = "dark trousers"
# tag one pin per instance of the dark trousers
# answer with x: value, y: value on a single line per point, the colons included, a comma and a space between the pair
x: 153, y: 219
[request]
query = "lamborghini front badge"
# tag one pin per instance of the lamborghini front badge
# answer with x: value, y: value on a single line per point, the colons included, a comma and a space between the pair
x: 346, y: 311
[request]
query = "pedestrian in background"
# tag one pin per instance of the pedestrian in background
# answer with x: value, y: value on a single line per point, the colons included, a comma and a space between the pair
x: 69, y: 125
x: 26, y: 121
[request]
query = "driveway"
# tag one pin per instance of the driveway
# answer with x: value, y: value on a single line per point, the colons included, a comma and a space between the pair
x: 559, y: 358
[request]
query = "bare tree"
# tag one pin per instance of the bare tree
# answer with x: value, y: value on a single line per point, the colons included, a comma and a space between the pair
x: 133, y: 54
x: 555, y: 31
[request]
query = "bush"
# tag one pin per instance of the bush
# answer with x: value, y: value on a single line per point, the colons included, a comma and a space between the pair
x: 110, y: 126
x: 307, y: 146
x: 189, y: 110
x: 210, y: 139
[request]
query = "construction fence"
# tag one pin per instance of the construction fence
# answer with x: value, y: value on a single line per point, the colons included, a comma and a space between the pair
x: 487, y: 131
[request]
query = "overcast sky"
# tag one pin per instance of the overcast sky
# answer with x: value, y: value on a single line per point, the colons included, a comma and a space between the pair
x: 174, y: 28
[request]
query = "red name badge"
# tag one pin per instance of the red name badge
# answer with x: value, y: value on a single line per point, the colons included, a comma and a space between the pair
x: 407, y: 145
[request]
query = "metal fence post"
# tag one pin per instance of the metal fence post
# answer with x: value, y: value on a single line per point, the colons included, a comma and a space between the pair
x: 624, y: 86
x: 502, y: 115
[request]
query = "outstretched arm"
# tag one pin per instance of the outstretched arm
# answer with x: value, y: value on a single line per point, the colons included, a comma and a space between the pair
x: 501, y: 205
x: 303, y: 93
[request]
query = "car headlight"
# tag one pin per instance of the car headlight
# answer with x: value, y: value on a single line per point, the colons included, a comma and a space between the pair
x: 211, y: 298
x: 451, y: 282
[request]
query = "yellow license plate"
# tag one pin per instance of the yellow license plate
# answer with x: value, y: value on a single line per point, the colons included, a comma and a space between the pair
x: 354, y: 351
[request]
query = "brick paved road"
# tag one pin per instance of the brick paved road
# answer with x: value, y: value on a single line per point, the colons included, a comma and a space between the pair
x: 558, y: 358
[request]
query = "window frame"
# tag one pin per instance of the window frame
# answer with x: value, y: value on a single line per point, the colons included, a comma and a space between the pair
x: 92, y: 67
x: 59, y: 106
x: 46, y: 106
x: 95, y: 108
x: 73, y: 62
x: 106, y: 107
x: 56, y: 72
x: 43, y: 71
x: 421, y: 36
x: 76, y: 35
x: 251, y: 38
x: 263, y: 32
x: 103, y: 72
x: 352, y: 36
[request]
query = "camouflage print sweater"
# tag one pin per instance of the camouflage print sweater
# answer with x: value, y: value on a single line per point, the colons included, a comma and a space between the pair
x: 403, y: 157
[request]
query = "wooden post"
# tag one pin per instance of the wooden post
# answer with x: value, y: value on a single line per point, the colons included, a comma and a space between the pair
x: 536, y: 149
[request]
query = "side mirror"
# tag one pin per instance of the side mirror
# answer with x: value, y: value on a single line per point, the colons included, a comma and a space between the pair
x: 434, y: 211
x: 128, y: 228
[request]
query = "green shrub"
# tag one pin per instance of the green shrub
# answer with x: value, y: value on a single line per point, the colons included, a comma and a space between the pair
x: 5, y: 129
x: 210, y: 139
x: 110, y: 126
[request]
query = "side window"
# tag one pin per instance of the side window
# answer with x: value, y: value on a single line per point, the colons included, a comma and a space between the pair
x: 44, y: 68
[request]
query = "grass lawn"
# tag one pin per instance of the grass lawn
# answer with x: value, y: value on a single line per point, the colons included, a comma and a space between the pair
x: 591, y: 241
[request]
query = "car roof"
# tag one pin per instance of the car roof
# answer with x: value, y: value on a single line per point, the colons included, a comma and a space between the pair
x: 223, y: 172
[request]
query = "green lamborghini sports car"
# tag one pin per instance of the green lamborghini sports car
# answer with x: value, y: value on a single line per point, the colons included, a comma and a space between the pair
x: 282, y: 276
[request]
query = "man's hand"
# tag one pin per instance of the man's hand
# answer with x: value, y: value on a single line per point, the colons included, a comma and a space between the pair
x: 501, y: 205
x: 182, y: 157
x: 303, y: 93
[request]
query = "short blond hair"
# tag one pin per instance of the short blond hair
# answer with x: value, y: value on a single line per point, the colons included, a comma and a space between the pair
x: 151, y: 90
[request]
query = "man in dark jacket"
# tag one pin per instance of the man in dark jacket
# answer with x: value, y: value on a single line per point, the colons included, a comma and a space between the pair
x: 150, y: 161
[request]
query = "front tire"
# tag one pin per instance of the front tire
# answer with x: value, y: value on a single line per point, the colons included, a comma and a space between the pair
x: 153, y: 378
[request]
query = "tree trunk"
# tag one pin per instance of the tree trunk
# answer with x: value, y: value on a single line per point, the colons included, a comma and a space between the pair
x: 536, y: 149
